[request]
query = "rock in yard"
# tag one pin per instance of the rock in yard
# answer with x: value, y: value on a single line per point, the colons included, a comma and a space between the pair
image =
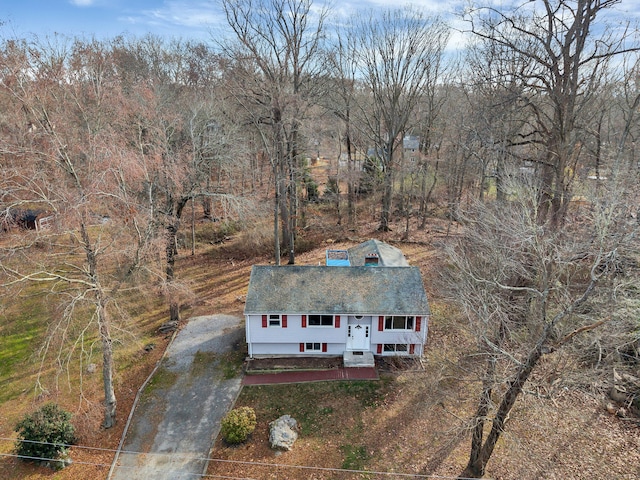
x: 283, y: 433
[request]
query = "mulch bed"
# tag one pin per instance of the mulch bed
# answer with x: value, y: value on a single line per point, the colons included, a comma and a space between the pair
x: 268, y: 365
x: 264, y: 365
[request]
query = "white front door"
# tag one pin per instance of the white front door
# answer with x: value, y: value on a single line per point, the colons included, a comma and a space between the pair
x: 358, y: 333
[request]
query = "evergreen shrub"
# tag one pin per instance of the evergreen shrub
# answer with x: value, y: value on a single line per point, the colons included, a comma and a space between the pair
x: 45, y: 434
x: 238, y: 424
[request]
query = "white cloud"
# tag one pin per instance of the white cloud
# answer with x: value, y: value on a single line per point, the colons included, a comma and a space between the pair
x: 435, y: 7
x: 177, y: 15
x: 199, y: 17
x: 83, y: 3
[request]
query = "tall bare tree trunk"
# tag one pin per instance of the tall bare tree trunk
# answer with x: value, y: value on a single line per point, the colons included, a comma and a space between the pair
x: 385, y: 213
x: 387, y: 189
x: 426, y: 198
x: 171, y: 254
x: 276, y: 215
x: 284, y: 209
x: 546, y: 193
x: 501, y: 194
x: 294, y: 169
x: 110, y: 402
x: 351, y: 200
x: 475, y: 467
x: 480, y: 456
x: 481, y: 452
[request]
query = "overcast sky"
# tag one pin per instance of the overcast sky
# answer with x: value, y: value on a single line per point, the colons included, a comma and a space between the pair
x: 188, y: 19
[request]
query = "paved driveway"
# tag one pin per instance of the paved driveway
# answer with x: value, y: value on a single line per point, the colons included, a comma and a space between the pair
x: 178, y: 417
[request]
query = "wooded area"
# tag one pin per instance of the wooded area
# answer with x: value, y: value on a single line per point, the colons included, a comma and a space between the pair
x: 524, y: 143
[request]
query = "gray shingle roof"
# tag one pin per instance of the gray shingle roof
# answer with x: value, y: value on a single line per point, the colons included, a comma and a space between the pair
x: 389, y: 256
x: 336, y: 290
x: 411, y: 142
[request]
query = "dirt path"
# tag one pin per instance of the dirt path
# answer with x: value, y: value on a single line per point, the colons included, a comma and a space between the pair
x: 179, y: 413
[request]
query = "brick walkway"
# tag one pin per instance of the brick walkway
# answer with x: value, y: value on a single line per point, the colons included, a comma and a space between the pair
x: 368, y: 373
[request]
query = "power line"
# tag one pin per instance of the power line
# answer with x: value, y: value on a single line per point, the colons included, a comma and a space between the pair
x: 186, y: 456
x: 59, y: 444
x: 107, y: 465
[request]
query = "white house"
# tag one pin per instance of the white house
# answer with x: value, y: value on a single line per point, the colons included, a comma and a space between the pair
x: 376, y: 305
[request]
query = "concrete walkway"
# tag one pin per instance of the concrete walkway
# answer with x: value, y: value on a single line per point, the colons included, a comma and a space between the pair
x: 179, y: 413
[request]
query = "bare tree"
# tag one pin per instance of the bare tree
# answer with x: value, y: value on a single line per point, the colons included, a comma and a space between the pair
x: 340, y: 101
x: 398, y: 55
x: 68, y: 161
x: 564, y: 60
x: 461, y: 163
x: 528, y: 291
x: 274, y: 78
x: 622, y: 96
x: 431, y: 126
x: 180, y: 136
x: 497, y: 100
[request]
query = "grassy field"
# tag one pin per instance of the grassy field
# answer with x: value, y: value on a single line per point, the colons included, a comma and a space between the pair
x: 20, y: 330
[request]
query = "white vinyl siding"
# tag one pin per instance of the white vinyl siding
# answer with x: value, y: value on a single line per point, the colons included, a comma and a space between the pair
x: 267, y: 339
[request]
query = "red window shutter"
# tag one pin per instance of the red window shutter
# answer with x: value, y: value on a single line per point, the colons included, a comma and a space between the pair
x: 264, y: 321
x: 412, y: 349
x: 337, y: 322
x: 418, y: 323
x: 324, y: 348
x: 302, y: 347
x: 379, y: 348
x: 304, y: 321
x: 380, y: 324
x: 284, y: 321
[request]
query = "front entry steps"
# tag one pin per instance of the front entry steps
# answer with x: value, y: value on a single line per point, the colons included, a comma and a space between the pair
x: 358, y: 359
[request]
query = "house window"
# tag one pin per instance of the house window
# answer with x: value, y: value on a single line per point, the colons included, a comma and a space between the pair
x: 313, y: 347
x: 274, y: 320
x: 321, y: 320
x: 398, y: 322
x: 395, y: 347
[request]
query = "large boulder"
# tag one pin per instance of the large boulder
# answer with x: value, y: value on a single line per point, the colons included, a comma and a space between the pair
x: 283, y: 433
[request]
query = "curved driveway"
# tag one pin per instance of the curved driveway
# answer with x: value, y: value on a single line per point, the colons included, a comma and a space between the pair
x: 178, y: 416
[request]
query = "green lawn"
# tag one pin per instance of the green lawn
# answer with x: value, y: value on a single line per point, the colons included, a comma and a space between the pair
x: 21, y: 332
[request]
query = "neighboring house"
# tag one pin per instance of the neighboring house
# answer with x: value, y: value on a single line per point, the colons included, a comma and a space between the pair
x: 26, y: 219
x: 411, y: 143
x: 366, y: 301
x: 410, y: 149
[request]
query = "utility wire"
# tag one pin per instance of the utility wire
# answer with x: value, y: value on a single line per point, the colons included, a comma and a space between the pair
x: 106, y: 465
x: 185, y: 456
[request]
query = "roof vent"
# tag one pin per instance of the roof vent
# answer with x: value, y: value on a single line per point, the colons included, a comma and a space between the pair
x: 371, y: 260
